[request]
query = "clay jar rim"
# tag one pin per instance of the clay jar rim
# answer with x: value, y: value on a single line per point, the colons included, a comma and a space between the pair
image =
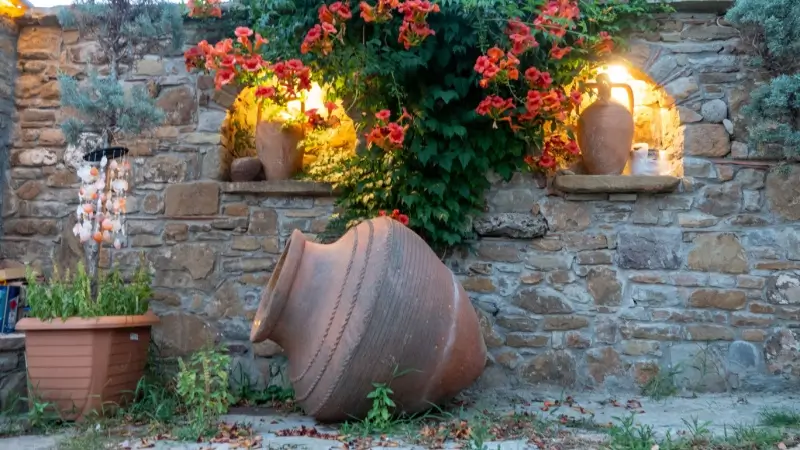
x: 276, y: 292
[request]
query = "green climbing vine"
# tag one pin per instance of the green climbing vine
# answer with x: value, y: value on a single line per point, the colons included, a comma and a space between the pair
x: 445, y: 93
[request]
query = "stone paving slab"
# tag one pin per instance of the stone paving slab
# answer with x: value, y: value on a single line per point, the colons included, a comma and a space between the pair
x: 29, y: 443
x: 722, y: 411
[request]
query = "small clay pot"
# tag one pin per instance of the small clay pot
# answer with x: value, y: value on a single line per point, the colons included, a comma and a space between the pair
x: 245, y: 169
x: 376, y: 306
x: 277, y: 148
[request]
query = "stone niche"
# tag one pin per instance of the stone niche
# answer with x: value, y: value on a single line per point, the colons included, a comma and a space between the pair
x: 237, y: 131
x: 655, y: 114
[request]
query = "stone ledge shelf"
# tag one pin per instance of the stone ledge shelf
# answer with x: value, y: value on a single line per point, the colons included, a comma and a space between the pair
x: 706, y: 6
x: 615, y: 184
x: 11, y: 342
x: 294, y: 188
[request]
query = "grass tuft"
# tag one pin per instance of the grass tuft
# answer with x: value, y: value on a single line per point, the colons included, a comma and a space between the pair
x: 775, y: 417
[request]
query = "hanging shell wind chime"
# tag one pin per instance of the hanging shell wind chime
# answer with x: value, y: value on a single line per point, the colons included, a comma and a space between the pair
x: 103, y: 196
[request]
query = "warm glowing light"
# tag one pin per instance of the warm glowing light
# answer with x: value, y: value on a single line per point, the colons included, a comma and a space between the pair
x: 620, y: 75
x: 13, y: 8
x: 311, y: 99
x: 314, y: 99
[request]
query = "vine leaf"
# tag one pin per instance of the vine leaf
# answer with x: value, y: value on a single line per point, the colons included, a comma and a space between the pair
x: 464, y: 157
x: 427, y: 152
x: 445, y: 95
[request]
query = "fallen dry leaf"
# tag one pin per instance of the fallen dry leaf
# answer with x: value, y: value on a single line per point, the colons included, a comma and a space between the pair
x: 306, y: 432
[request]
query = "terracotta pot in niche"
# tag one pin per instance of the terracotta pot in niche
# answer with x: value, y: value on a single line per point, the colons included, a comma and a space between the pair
x: 277, y: 148
x: 376, y: 302
x: 605, y: 131
x: 245, y: 169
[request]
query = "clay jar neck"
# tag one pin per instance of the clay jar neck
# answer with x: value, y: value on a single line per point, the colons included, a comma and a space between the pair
x: 603, y: 88
x: 293, y: 290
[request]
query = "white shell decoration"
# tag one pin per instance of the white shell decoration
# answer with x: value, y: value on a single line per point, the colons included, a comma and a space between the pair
x: 102, y: 195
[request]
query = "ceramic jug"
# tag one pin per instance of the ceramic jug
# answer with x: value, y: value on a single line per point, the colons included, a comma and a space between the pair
x: 605, y: 130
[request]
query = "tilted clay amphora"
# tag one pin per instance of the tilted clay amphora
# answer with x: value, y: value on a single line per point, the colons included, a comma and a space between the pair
x: 377, y: 306
x: 605, y: 130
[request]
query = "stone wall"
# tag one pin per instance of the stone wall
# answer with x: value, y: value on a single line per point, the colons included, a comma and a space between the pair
x: 8, y: 64
x: 624, y: 283
x: 12, y: 355
x: 13, y: 382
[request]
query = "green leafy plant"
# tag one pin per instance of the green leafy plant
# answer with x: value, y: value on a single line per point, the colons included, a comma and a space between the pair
x: 43, y: 416
x: 244, y: 142
x: 662, y: 384
x: 772, y: 26
x: 244, y: 390
x: 780, y: 417
x: 381, y: 418
x: 67, y: 294
x: 627, y: 435
x: 202, y: 386
x: 239, y: 139
x: 380, y: 415
x: 155, y: 403
x: 774, y: 109
x: 125, y: 30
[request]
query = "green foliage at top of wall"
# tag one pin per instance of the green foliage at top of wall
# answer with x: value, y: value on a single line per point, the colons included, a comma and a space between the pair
x: 773, y: 26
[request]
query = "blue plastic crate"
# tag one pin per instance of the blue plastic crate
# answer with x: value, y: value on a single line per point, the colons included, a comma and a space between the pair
x: 9, y: 306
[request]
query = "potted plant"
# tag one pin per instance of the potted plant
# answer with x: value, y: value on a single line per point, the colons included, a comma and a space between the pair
x: 86, y: 340
x: 280, y: 129
x: 97, y: 347
x: 280, y: 90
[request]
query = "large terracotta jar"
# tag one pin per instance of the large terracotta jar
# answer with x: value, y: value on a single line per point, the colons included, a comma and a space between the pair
x: 377, y: 306
x: 277, y: 148
x: 605, y: 131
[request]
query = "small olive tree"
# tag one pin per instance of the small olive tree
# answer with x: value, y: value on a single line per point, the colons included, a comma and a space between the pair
x: 125, y: 30
x: 773, y: 27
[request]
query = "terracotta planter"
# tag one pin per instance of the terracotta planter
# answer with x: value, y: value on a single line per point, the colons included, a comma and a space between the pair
x: 277, y: 148
x: 245, y: 169
x: 605, y: 131
x: 86, y: 364
x: 358, y: 311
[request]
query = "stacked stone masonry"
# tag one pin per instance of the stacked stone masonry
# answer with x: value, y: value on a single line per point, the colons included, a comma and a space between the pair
x: 8, y: 65
x: 13, y: 382
x: 620, y: 287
